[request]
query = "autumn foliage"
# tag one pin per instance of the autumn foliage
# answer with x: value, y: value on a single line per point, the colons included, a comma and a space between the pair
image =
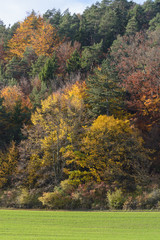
x: 13, y: 95
x: 137, y: 60
x: 36, y: 34
x: 80, y: 105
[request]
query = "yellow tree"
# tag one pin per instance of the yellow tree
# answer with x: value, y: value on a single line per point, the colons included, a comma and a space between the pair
x: 111, y: 151
x: 8, y: 164
x: 55, y: 126
x: 33, y: 33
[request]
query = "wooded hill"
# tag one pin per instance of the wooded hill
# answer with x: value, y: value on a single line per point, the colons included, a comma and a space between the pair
x: 80, y: 107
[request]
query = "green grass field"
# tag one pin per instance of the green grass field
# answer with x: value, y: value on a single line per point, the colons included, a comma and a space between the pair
x: 64, y: 225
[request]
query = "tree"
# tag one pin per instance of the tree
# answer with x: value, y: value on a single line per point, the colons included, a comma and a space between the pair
x: 155, y: 23
x: 54, y: 17
x: 112, y: 152
x: 136, y: 60
x: 2, y: 52
x: 114, y: 21
x: 8, y: 164
x: 56, y: 125
x: 11, y: 123
x: 64, y: 52
x: 105, y: 95
x: 91, y: 56
x: 137, y: 16
x: 89, y: 25
x: 132, y: 26
x: 48, y: 71
x: 151, y: 8
x: 73, y: 64
x: 11, y: 96
x: 33, y: 33
x: 17, y: 68
x: 37, y: 66
x: 69, y: 26
x: 39, y: 92
x: 15, y: 111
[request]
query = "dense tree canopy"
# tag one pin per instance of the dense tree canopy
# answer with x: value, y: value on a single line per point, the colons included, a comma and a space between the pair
x: 80, y: 105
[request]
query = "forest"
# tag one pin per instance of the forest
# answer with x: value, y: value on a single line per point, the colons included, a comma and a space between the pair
x: 80, y: 108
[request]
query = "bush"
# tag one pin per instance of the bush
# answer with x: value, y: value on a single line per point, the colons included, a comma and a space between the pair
x: 116, y: 199
x: 56, y: 200
x: 86, y: 196
x: 61, y: 198
x: 28, y: 199
x: 91, y: 195
x: 143, y: 201
x: 129, y: 204
x: 8, y: 198
x: 148, y: 200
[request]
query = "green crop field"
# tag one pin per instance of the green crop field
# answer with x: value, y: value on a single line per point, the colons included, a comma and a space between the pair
x: 65, y: 225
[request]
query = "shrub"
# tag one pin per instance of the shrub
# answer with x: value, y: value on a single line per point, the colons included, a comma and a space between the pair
x: 28, y: 199
x: 86, y: 196
x: 8, y: 198
x: 91, y: 195
x: 61, y: 198
x: 116, y: 199
x: 143, y: 201
x: 56, y: 200
x: 148, y: 200
x: 129, y: 204
x: 153, y: 199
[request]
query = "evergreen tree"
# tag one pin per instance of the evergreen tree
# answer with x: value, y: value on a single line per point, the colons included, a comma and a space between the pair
x: 11, y: 123
x: 37, y: 66
x: 105, y: 96
x: 132, y: 26
x: 91, y: 56
x: 47, y: 73
x: 155, y: 22
x: 73, y: 64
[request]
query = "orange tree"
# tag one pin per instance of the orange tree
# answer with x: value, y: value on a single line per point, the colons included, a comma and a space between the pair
x: 36, y: 34
x: 12, y: 95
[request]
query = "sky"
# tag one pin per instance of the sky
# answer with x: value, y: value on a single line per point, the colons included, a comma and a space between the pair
x: 12, y: 11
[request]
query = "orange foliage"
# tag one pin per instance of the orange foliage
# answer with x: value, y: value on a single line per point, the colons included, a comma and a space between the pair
x: 137, y: 63
x: 12, y: 95
x: 34, y: 33
x: 64, y: 52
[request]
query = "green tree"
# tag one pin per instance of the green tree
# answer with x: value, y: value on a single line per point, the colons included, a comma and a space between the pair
x: 54, y: 16
x: 114, y: 21
x: 137, y: 15
x: 39, y: 92
x: 91, y: 56
x: 73, y: 64
x: 17, y: 68
x: 155, y: 22
x: 105, y: 96
x: 47, y: 73
x: 11, y: 123
x: 151, y: 8
x: 132, y: 26
x: 37, y: 66
x: 89, y: 25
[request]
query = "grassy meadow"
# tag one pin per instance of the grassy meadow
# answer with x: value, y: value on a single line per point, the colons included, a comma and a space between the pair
x: 66, y: 225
